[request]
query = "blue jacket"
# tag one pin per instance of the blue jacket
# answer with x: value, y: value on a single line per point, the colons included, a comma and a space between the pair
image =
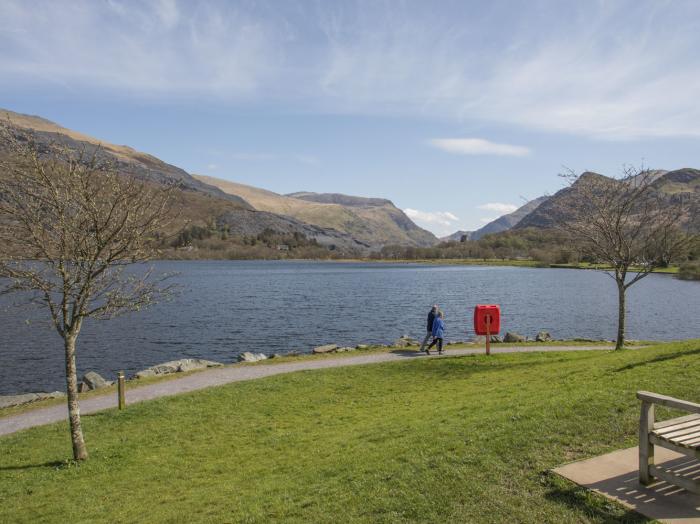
x: 438, y: 327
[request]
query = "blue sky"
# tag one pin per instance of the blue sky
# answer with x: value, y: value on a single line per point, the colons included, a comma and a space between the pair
x: 456, y: 111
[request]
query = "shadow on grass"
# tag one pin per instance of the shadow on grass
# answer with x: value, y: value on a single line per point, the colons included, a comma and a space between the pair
x: 53, y: 464
x: 594, y: 506
x: 660, y: 358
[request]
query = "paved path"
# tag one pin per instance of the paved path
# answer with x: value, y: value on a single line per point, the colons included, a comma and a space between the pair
x: 224, y: 375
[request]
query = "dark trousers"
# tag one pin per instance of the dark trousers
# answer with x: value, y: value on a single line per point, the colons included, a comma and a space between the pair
x: 437, y: 341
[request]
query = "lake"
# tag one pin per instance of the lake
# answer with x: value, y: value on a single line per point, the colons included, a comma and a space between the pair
x: 227, y: 307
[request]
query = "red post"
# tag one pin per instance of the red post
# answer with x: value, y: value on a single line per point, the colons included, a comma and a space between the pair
x: 488, y: 334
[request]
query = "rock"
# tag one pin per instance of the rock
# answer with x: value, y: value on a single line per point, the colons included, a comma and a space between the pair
x: 328, y: 348
x: 251, y: 357
x: 362, y: 346
x: 514, y: 337
x: 145, y: 373
x: 405, y: 341
x: 344, y: 349
x: 7, y: 401
x: 543, y: 336
x: 93, y: 380
x: 177, y: 366
x: 481, y: 339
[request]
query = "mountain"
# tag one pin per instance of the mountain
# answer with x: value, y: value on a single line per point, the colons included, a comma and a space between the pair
x: 372, y: 221
x: 457, y: 236
x: 510, y: 220
x: 201, y: 203
x: 669, y: 184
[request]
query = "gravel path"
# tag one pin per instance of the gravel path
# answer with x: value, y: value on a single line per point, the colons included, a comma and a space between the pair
x: 224, y: 375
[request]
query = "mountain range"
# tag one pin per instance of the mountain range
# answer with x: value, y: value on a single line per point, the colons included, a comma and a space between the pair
x: 350, y: 224
x: 341, y: 221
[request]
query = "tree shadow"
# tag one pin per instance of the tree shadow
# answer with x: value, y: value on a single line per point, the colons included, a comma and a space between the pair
x: 594, y: 506
x: 52, y: 464
x: 660, y: 358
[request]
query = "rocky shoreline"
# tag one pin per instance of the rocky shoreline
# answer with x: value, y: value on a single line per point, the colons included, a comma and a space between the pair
x: 92, y: 380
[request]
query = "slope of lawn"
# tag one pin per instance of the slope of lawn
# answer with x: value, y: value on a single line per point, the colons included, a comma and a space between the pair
x: 463, y: 439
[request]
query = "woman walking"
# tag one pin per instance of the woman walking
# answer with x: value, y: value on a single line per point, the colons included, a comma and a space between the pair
x: 438, y: 333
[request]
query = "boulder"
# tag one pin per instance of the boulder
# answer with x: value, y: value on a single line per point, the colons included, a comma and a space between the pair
x: 514, y: 337
x: 405, y: 341
x: 177, y: 366
x: 93, y: 380
x: 344, y: 349
x: 362, y: 346
x: 7, y: 401
x: 328, y: 348
x: 251, y: 357
x: 543, y: 336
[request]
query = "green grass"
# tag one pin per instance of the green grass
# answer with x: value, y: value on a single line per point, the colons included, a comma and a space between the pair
x: 463, y: 439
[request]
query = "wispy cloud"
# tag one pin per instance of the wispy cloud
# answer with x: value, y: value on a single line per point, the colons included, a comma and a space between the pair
x: 499, y: 207
x: 439, y: 222
x: 309, y: 160
x: 212, y: 167
x: 615, y: 70
x: 477, y: 146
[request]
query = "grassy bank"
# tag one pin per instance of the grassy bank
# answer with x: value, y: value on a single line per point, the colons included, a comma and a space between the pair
x: 453, y: 439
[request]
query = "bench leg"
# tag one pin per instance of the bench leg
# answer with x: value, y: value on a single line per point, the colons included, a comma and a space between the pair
x: 646, y: 448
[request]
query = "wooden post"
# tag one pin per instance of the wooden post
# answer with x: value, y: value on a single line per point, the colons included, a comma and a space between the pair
x: 646, y: 448
x: 488, y: 334
x: 120, y: 390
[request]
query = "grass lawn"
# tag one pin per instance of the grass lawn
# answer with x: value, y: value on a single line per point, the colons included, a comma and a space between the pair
x: 460, y: 439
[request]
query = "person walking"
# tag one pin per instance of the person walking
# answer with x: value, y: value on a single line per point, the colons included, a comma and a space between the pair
x: 431, y: 318
x: 438, y: 333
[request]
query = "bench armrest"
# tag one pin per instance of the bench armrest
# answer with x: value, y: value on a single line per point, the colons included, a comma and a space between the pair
x: 669, y: 402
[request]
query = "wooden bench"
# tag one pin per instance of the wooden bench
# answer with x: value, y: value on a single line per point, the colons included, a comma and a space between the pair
x: 680, y: 434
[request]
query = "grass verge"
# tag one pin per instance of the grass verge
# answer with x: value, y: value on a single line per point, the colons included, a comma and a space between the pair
x: 463, y: 439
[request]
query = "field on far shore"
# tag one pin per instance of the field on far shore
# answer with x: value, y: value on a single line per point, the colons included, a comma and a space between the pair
x: 456, y: 439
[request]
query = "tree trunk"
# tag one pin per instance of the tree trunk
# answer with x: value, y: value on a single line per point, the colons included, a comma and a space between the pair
x: 620, y: 316
x: 76, y: 431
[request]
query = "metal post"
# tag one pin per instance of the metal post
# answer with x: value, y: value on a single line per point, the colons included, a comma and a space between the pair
x: 488, y: 334
x: 120, y: 389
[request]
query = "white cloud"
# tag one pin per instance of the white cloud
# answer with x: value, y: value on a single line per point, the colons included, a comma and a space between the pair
x: 477, y: 146
x: 310, y: 160
x: 614, y: 70
x: 439, y: 222
x: 499, y: 207
x: 486, y: 220
x: 212, y: 167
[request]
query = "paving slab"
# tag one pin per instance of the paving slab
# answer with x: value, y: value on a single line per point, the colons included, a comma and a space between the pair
x: 233, y: 373
x: 615, y: 475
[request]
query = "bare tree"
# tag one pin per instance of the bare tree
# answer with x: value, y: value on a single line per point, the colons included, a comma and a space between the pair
x: 627, y: 224
x: 70, y: 227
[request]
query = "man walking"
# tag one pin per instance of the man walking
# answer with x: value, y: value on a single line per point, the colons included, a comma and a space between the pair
x: 431, y: 319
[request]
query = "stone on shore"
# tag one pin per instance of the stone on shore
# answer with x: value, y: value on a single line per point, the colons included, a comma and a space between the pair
x: 8, y: 401
x: 344, y: 349
x: 362, y: 346
x: 328, y: 348
x: 543, y: 336
x: 514, y: 337
x: 481, y: 339
x: 177, y: 366
x: 405, y: 341
x: 251, y: 357
x: 93, y: 380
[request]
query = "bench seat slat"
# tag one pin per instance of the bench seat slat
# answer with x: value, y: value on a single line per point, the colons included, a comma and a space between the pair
x: 679, y: 432
x: 672, y: 422
x: 677, y: 427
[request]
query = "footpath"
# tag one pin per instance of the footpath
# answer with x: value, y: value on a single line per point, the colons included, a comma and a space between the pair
x: 236, y: 373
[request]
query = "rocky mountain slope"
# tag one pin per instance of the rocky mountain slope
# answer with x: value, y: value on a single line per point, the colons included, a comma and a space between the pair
x: 202, y: 203
x: 372, y: 221
x: 679, y: 183
x: 510, y: 220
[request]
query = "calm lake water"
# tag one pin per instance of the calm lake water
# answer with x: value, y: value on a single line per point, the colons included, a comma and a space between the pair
x: 225, y: 308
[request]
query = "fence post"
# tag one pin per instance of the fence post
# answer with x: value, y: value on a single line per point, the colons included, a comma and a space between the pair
x: 120, y: 389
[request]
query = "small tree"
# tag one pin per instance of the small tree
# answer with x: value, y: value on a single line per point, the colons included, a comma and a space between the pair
x: 70, y: 226
x: 626, y: 224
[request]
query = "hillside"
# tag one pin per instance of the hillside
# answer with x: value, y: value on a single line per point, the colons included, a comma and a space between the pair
x: 669, y: 184
x: 201, y: 204
x: 372, y: 221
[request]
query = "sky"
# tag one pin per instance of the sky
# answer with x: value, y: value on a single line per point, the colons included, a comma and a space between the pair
x: 457, y: 111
